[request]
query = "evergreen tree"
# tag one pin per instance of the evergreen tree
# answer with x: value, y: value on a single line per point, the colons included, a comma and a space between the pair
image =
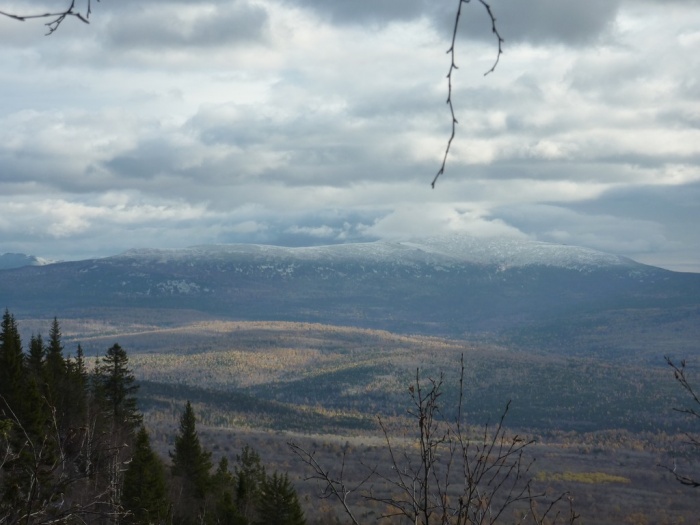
x: 56, y: 376
x: 222, y: 489
x: 190, y: 469
x: 190, y: 461
x: 250, y: 476
x: 145, y: 494
x: 76, y: 394
x: 117, y: 387
x: 279, y: 503
x: 12, y: 372
x: 35, y: 359
x: 55, y: 361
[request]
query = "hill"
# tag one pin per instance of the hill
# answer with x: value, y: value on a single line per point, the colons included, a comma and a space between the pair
x: 534, y: 294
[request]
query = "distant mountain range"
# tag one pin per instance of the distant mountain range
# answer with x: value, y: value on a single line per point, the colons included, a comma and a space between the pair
x: 449, y: 285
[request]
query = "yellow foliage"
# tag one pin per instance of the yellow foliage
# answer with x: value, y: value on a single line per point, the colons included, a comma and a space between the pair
x: 592, y: 478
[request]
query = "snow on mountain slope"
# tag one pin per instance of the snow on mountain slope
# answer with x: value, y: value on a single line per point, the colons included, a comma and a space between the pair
x: 446, y: 250
x: 509, y: 253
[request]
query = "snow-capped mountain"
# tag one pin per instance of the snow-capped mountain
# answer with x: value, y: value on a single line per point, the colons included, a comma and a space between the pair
x: 447, y: 250
x: 445, y: 285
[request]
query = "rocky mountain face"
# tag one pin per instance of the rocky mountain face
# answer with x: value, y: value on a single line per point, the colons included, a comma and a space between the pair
x: 451, y: 285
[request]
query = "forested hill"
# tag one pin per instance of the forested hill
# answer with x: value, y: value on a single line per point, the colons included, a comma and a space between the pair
x: 449, y: 285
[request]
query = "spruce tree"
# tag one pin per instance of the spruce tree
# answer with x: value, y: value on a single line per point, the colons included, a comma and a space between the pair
x: 117, y: 387
x: 36, y: 357
x: 76, y: 394
x: 55, y: 361
x: 56, y: 376
x: 12, y: 372
x: 250, y: 476
x: 279, y: 503
x: 190, y: 461
x: 145, y: 493
x: 222, y: 490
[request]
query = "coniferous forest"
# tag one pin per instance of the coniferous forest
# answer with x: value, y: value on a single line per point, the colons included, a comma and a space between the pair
x: 73, y: 449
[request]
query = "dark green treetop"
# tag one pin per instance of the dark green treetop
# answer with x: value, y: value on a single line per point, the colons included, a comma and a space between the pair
x: 145, y: 493
x: 118, y: 387
x: 279, y: 503
x: 190, y: 461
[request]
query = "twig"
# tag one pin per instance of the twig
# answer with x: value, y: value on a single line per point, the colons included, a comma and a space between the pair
x: 453, y: 66
x: 57, y: 17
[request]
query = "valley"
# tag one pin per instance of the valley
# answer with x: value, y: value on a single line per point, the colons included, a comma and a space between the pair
x: 601, y: 427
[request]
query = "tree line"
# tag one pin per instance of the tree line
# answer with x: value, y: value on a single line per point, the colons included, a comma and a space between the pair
x: 74, y: 449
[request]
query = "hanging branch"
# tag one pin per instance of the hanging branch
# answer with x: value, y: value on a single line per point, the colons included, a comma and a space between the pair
x: 57, y: 18
x: 453, y: 66
x: 679, y: 373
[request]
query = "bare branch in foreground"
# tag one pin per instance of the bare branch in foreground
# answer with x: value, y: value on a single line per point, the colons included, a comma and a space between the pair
x: 679, y: 373
x: 333, y: 486
x: 56, y: 18
x: 443, y: 475
x: 453, y: 66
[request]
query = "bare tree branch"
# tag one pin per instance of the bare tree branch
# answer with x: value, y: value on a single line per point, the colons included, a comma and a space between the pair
x: 56, y: 18
x: 332, y: 486
x: 679, y: 373
x: 453, y: 67
x: 444, y: 476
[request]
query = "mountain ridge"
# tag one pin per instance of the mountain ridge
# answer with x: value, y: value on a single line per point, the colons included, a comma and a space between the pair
x: 449, y: 286
x: 504, y: 252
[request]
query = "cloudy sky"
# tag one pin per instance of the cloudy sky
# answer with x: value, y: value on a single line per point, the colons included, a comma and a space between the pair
x: 170, y: 123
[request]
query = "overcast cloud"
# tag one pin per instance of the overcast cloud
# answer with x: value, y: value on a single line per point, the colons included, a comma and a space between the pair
x: 168, y: 123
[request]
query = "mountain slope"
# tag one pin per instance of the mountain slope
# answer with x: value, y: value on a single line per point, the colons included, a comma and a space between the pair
x: 447, y: 285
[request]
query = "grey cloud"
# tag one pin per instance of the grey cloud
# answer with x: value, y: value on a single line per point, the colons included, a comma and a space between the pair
x: 634, y: 221
x: 569, y: 22
x: 605, y: 232
x: 312, y: 147
x: 678, y: 206
x: 319, y: 227
x: 537, y: 21
x: 343, y: 12
x: 167, y: 28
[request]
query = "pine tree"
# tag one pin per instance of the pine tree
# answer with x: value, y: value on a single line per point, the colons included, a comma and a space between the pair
x: 279, y: 503
x: 145, y: 493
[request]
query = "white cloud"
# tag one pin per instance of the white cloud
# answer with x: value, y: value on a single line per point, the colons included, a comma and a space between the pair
x: 307, y: 121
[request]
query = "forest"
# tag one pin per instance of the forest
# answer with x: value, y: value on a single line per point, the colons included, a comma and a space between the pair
x: 73, y: 449
x: 328, y: 411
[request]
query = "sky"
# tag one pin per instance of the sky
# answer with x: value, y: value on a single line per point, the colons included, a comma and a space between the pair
x: 171, y: 123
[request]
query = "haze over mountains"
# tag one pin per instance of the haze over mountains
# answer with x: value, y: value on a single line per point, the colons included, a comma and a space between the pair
x: 450, y: 285
x: 17, y: 260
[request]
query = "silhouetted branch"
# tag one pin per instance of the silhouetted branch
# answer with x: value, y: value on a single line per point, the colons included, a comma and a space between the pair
x: 444, y: 476
x: 679, y: 373
x: 56, y: 18
x: 453, y: 66
x: 332, y: 485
